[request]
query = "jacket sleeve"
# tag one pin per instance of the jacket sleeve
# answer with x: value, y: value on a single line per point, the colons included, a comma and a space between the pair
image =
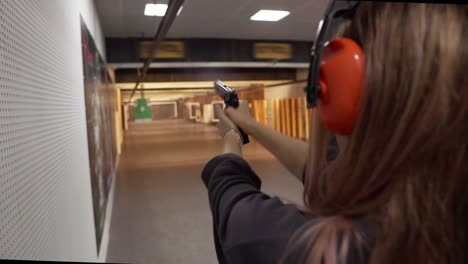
x: 228, y: 179
x: 249, y: 226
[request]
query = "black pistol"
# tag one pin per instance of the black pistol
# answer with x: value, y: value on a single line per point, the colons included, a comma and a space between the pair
x: 230, y: 98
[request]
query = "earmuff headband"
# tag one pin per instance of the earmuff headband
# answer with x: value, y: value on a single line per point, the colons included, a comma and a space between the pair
x: 337, y: 9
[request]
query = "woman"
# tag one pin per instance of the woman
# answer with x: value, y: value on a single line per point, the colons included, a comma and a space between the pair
x: 397, y: 190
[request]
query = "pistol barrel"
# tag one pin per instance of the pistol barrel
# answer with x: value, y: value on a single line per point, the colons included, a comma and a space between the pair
x: 222, y: 89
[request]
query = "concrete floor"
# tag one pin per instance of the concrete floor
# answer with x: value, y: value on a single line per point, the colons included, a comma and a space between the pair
x: 161, y: 212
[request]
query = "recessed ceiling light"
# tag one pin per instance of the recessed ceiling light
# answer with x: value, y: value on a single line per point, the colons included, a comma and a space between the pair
x: 269, y: 15
x: 155, y: 9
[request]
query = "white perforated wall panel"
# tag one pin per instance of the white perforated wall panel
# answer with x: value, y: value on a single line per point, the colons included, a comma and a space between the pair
x: 45, y: 193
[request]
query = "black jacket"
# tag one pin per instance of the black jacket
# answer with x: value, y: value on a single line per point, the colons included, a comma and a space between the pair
x: 248, y: 225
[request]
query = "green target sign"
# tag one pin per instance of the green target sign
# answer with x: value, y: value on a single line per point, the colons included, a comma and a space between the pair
x: 143, y: 110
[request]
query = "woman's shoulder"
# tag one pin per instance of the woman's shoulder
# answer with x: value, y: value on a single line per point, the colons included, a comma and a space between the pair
x: 263, y: 228
x: 338, y: 239
x: 260, y: 227
x: 259, y: 214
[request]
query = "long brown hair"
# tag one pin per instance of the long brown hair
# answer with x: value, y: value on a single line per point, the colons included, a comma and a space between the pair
x: 405, y: 166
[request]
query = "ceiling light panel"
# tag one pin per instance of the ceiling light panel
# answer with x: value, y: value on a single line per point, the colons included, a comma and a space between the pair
x: 269, y: 15
x: 155, y: 9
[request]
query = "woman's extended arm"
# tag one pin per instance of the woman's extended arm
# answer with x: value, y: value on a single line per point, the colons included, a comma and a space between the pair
x: 232, y: 142
x: 291, y: 152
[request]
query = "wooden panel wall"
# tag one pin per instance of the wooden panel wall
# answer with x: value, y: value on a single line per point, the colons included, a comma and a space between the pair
x: 259, y: 110
x: 291, y: 117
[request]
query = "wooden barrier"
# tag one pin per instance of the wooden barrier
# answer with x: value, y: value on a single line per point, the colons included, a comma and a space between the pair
x: 296, y: 123
x: 274, y: 111
x: 277, y: 115
x: 290, y: 116
x: 307, y: 119
x: 259, y: 111
x: 301, y: 118
x: 283, y: 117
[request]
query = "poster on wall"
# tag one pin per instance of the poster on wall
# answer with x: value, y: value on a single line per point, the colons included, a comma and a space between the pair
x: 100, y: 102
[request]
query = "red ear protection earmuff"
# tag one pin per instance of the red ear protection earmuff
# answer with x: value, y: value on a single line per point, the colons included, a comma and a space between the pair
x: 341, y: 83
x: 336, y: 73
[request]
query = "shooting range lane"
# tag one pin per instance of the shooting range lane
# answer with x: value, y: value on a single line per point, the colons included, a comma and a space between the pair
x: 161, y: 212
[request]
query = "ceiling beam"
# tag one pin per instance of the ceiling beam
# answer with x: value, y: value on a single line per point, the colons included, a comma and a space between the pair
x: 177, y: 65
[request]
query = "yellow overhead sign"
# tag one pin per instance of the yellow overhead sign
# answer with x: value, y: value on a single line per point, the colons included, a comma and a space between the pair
x: 279, y: 51
x: 166, y: 50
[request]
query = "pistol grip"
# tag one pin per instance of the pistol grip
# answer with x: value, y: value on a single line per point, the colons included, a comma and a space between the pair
x: 233, y: 101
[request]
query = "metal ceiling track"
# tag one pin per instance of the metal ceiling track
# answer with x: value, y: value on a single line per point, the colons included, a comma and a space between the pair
x: 163, y: 28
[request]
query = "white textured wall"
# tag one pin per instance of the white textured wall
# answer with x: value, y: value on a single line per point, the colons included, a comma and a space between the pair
x: 45, y: 190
